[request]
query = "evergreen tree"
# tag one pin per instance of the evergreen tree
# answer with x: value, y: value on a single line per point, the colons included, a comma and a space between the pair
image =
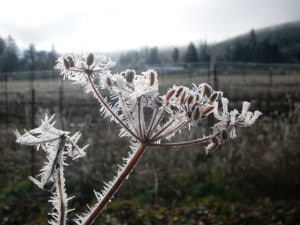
x: 191, y: 54
x: 175, y: 55
x: 153, y: 56
x: 129, y: 59
x: 51, y: 58
x: 268, y: 52
x: 204, y: 52
x: 2, y: 49
x: 29, y: 59
x: 10, y: 56
x: 252, y: 45
x: 240, y: 52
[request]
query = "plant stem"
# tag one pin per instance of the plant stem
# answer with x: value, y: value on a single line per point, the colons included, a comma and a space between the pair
x: 107, y: 107
x: 62, y: 210
x: 61, y: 197
x: 184, y: 143
x: 117, y: 183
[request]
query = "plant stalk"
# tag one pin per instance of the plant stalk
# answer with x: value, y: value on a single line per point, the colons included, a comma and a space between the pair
x: 106, y: 106
x: 61, y: 198
x: 117, y: 183
x: 60, y: 184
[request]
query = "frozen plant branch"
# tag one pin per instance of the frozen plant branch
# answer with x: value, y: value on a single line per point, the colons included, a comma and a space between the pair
x: 132, y: 94
x: 57, y: 145
x: 145, y: 116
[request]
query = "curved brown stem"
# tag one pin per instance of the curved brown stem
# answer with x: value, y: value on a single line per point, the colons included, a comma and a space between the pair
x: 116, y: 184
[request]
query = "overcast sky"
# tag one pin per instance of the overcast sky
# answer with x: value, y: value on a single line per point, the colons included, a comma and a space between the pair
x: 110, y: 25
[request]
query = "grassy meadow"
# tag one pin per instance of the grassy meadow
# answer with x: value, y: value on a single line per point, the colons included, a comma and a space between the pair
x: 254, y: 179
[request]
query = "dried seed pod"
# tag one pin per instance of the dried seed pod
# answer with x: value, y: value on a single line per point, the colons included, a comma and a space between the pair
x: 179, y: 90
x: 152, y: 78
x: 196, y: 113
x: 194, y: 106
x: 215, y: 97
x: 170, y: 94
x: 71, y: 61
x: 190, y: 99
x: 224, y: 135
x: 213, y: 145
x: 207, y: 90
x: 90, y: 59
x: 207, y: 110
x: 182, y: 99
x: 66, y: 63
x: 108, y: 82
x: 129, y: 75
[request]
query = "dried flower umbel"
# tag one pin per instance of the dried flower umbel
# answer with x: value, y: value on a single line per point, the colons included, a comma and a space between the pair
x: 134, y: 94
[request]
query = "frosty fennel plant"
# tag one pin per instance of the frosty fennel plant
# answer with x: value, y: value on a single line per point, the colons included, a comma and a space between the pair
x: 145, y: 117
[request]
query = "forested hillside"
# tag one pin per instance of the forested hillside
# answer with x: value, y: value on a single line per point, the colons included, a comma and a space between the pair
x: 274, y: 44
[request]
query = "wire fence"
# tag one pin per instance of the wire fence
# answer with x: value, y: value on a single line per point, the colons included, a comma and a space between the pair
x: 24, y: 94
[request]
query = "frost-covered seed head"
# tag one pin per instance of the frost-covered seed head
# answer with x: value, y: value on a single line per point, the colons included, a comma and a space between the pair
x: 190, y: 99
x: 207, y: 110
x: 129, y: 75
x: 179, y: 91
x: 152, y: 77
x: 224, y: 135
x: 213, y: 145
x: 170, y: 94
x: 71, y: 61
x: 215, y: 97
x: 90, y: 59
x: 196, y: 113
x: 66, y: 63
x: 207, y: 90
x: 108, y: 82
x: 182, y: 98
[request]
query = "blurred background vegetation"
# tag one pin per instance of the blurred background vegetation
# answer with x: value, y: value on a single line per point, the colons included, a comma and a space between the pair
x: 254, y: 179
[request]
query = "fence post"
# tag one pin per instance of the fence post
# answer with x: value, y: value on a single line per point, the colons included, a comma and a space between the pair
x: 6, y: 98
x: 270, y: 76
x: 61, y: 104
x: 32, y: 125
x: 214, y: 76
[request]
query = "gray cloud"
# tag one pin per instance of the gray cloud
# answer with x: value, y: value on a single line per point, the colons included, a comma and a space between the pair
x: 168, y: 22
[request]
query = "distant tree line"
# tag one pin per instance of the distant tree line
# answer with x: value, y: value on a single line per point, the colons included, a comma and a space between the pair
x: 11, y: 59
x: 281, y: 45
x: 278, y: 45
x: 252, y: 50
x: 177, y: 55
